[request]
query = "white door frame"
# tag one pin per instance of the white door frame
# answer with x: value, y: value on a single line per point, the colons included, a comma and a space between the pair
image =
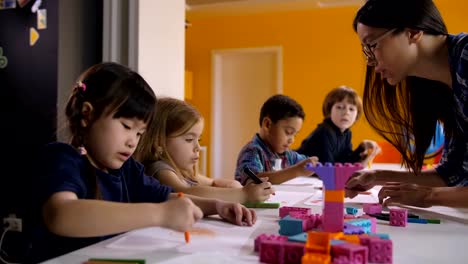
x: 216, y: 63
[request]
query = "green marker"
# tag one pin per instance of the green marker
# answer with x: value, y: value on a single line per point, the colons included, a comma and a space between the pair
x: 262, y: 205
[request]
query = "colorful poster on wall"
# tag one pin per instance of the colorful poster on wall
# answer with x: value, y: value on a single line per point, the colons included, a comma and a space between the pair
x: 7, y: 4
x: 42, y: 19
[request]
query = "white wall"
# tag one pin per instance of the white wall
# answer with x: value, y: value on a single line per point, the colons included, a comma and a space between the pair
x: 161, y: 45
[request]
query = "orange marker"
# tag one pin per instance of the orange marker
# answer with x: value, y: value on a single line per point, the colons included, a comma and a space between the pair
x: 186, y: 233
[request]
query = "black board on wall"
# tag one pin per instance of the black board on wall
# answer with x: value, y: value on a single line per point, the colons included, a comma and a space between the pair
x: 28, y: 97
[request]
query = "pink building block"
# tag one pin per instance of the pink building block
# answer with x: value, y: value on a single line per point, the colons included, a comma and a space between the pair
x: 349, y: 216
x: 310, y: 221
x: 380, y: 250
x: 343, y: 172
x: 285, y: 210
x: 265, y: 237
x: 333, y: 217
x: 372, y: 208
x: 292, y: 253
x: 347, y: 253
x: 398, y: 217
x: 271, y: 251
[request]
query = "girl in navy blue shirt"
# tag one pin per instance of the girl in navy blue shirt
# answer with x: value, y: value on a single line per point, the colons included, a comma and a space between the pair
x: 92, y: 188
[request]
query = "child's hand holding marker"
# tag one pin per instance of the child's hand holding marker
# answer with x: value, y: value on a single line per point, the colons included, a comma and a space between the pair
x: 264, y: 181
x: 186, y: 233
x: 180, y: 214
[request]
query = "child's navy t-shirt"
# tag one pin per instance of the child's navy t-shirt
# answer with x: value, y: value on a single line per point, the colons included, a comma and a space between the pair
x: 63, y: 168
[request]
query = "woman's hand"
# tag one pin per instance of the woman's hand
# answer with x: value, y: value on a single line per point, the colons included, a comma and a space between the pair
x: 360, y: 181
x: 406, y: 193
x: 236, y: 213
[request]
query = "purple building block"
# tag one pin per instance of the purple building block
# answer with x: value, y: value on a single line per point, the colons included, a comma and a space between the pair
x: 372, y: 208
x: 398, y: 217
x: 326, y: 173
x: 349, y: 229
x: 349, y: 253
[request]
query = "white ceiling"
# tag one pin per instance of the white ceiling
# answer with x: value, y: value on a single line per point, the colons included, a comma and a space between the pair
x: 252, y: 6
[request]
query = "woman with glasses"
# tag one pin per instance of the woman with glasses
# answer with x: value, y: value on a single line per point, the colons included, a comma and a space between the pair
x: 417, y: 75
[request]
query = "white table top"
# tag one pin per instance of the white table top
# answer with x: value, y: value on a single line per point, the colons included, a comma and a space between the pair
x: 219, y: 242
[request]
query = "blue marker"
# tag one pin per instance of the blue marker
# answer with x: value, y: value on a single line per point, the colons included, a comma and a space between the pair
x: 417, y: 220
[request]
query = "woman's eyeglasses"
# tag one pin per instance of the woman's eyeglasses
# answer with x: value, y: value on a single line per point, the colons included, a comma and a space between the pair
x: 368, y: 48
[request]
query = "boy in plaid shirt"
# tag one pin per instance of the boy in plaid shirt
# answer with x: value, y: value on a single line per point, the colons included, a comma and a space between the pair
x: 268, y: 153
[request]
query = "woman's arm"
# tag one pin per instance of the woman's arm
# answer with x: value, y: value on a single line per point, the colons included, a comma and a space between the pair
x: 423, y: 196
x: 450, y: 196
x: 366, y: 179
x: 427, y: 177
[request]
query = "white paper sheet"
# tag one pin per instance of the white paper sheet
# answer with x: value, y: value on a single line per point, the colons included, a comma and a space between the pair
x: 201, y: 238
x: 214, y: 258
x: 317, y: 198
x: 304, y: 181
x: 288, y: 198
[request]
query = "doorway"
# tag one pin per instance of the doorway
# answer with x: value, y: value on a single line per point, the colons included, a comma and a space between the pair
x: 242, y: 80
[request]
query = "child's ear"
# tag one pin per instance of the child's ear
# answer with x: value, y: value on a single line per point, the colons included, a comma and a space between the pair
x: 86, y: 112
x: 266, y: 122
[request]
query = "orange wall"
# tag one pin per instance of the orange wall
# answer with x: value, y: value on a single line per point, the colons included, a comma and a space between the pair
x: 320, y: 52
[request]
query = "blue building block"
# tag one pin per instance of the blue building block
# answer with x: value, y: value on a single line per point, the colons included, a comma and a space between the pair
x: 302, y: 237
x: 351, y: 210
x: 365, y: 224
x: 336, y: 242
x: 381, y: 235
x: 290, y: 226
x: 350, y: 229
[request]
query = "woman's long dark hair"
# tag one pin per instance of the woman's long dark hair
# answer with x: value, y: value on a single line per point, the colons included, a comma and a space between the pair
x: 409, y: 111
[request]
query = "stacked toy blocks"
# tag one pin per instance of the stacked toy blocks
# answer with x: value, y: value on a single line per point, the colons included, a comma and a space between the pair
x: 296, y: 220
x: 334, y: 179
